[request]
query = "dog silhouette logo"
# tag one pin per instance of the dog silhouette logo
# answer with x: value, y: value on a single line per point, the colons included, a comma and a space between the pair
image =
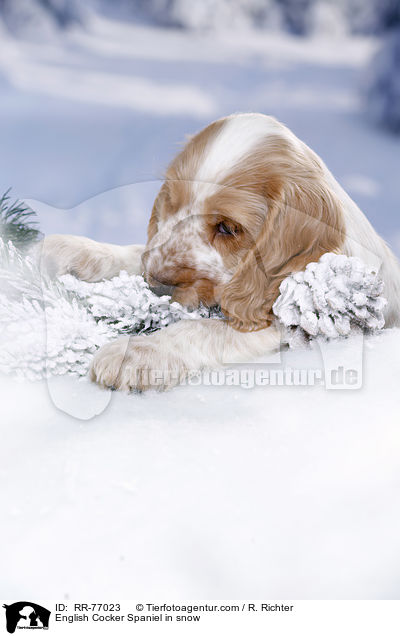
x: 26, y: 615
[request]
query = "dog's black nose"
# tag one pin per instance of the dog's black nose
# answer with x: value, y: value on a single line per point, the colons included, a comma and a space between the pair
x: 159, y: 284
x: 160, y: 289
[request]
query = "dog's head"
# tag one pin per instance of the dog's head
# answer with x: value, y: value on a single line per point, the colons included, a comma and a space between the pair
x: 244, y: 204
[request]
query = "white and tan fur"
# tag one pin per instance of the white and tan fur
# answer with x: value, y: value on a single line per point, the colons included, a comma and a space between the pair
x: 244, y: 204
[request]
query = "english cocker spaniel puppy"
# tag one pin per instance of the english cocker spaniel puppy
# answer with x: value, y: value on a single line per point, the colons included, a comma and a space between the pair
x: 244, y: 204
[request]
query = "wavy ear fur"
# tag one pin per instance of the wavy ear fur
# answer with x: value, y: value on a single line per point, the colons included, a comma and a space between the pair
x: 303, y: 222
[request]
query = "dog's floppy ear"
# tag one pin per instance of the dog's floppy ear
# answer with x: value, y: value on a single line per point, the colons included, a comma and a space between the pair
x: 304, y: 220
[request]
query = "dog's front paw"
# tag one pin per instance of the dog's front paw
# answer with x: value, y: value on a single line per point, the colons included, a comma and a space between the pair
x: 137, y: 363
x: 86, y: 259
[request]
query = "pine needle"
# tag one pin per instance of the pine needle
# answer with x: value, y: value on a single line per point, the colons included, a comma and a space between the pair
x: 17, y: 222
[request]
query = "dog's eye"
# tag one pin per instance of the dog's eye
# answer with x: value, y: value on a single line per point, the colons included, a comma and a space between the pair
x: 223, y: 228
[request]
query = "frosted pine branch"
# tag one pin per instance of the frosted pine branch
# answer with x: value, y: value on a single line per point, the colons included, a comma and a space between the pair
x: 53, y: 327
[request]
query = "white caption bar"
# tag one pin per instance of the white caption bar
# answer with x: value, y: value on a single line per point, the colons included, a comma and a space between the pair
x: 256, y: 617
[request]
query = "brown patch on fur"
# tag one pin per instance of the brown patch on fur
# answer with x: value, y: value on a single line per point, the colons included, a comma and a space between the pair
x: 200, y: 290
x: 304, y: 220
x: 186, y: 164
x: 156, y: 211
x: 181, y: 173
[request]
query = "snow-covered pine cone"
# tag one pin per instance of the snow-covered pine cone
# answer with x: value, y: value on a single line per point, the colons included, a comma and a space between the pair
x: 331, y: 298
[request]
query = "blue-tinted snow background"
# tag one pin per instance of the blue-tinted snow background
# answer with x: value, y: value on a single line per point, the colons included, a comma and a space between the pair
x: 98, y: 95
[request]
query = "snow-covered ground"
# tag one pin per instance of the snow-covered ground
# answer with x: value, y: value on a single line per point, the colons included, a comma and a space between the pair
x: 211, y: 492
x: 208, y: 492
